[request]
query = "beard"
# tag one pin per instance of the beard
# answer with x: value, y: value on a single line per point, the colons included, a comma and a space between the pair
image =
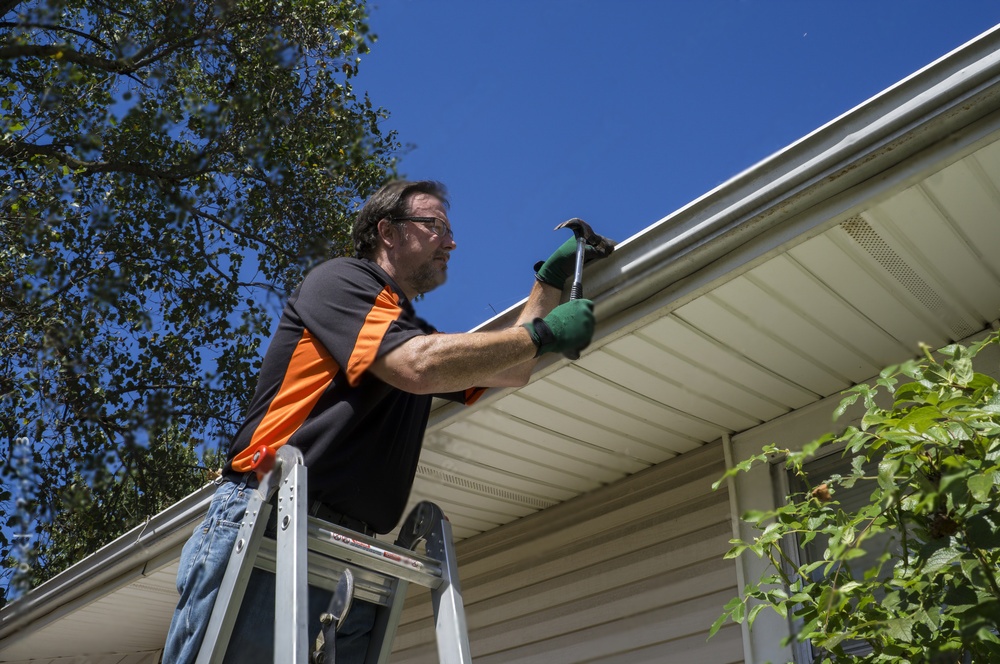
x: 428, y: 276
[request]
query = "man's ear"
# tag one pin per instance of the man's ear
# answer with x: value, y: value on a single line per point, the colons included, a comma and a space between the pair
x: 387, y: 232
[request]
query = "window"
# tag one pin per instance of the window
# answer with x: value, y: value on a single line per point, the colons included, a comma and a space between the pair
x: 849, y: 500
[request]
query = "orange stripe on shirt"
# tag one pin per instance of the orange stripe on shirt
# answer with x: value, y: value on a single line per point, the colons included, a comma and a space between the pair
x: 310, y: 371
x: 383, y: 313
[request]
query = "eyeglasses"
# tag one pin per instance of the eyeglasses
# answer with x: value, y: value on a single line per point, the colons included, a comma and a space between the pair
x: 438, y: 226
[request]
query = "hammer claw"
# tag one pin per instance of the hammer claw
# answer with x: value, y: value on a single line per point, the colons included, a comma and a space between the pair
x: 582, y: 229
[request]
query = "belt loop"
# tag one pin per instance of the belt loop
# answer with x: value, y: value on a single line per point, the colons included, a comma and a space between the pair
x: 246, y: 479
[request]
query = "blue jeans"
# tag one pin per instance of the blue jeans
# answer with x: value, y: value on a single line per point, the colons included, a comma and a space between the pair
x: 203, y: 564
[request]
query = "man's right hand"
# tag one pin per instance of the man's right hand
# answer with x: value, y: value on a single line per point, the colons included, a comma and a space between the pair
x: 569, y: 327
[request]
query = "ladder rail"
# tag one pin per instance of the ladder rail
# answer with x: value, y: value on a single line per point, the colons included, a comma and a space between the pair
x: 307, y: 550
x: 449, y: 611
x: 234, y: 581
x: 386, y: 622
x: 291, y: 608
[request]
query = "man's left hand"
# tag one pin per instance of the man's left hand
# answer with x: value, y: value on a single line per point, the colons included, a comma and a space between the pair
x: 562, y: 262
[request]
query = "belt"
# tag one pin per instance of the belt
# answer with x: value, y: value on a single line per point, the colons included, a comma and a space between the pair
x: 316, y: 508
x: 324, y: 513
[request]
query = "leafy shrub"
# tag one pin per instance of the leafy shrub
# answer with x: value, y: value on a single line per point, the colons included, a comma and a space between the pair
x: 935, y: 595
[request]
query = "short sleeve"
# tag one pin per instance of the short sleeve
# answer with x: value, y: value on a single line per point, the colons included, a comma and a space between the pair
x: 352, y: 309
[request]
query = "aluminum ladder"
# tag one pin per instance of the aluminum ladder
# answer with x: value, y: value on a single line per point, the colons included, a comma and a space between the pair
x: 308, y: 551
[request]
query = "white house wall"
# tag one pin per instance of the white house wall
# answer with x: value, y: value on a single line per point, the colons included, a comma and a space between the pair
x: 629, y: 573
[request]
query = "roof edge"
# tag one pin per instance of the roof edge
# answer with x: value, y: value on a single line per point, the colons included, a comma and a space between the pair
x: 940, y: 99
x: 158, y: 534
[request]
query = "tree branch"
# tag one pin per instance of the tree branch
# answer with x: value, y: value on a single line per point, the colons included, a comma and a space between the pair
x: 57, y: 28
x: 143, y: 58
x: 64, y: 52
x: 22, y: 149
x: 215, y: 219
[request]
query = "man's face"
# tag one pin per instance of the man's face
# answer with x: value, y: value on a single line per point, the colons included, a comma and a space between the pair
x: 426, y: 245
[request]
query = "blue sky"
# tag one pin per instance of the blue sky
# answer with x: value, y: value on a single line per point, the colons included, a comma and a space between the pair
x: 618, y: 111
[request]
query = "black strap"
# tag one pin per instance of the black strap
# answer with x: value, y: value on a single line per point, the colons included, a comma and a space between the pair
x: 541, y: 335
x: 321, y: 511
x: 325, y: 651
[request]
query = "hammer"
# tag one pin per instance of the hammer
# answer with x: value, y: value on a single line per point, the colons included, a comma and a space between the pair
x: 584, y: 235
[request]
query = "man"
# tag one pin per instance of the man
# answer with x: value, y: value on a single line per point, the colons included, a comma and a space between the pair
x: 348, y: 378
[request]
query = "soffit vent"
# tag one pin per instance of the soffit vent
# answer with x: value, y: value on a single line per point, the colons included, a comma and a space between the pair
x: 443, y: 477
x: 875, y: 245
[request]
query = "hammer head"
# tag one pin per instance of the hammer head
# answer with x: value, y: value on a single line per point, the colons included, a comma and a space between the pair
x: 581, y: 229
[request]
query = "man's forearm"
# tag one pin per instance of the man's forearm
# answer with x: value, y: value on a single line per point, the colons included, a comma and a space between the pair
x: 542, y: 299
x: 443, y: 363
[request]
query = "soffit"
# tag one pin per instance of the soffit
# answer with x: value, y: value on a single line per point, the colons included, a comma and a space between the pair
x: 920, y: 266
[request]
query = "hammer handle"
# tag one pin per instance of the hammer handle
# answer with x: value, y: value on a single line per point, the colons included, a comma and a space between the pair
x: 576, y: 290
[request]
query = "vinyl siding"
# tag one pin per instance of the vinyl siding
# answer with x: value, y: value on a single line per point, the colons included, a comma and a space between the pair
x: 629, y: 572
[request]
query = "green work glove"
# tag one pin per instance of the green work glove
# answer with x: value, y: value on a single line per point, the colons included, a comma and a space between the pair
x: 562, y: 263
x: 567, y: 329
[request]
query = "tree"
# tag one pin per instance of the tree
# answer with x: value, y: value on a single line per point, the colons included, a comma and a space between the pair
x: 168, y: 168
x: 933, y: 595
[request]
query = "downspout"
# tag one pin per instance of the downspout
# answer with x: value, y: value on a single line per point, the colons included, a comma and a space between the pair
x: 734, y: 517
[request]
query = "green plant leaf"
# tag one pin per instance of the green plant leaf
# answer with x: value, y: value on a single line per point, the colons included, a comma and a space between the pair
x: 940, y: 558
x: 900, y: 629
x: 931, y: 587
x: 980, y: 486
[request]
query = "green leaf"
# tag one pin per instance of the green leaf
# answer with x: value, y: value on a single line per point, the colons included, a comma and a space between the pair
x: 900, y: 629
x: 832, y: 641
x: 887, y: 474
x: 852, y: 553
x: 845, y: 403
x: 755, y: 516
x: 752, y: 615
x: 909, y: 392
x: 939, y: 559
x: 920, y: 419
x: 981, y: 485
x: 963, y: 371
x: 719, y: 622
x: 993, y: 404
x: 873, y: 418
x: 983, y: 530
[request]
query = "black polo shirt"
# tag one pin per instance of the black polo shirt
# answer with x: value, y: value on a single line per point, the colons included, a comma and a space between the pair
x: 360, y: 437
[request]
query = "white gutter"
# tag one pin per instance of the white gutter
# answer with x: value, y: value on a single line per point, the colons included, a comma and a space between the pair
x: 933, y: 110
x: 97, y: 571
